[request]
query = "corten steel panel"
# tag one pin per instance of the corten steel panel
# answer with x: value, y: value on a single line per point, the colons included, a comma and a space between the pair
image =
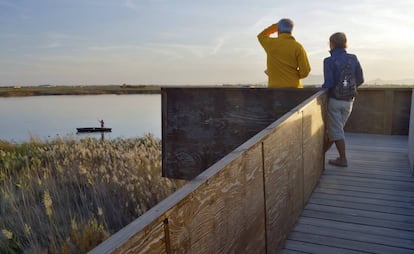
x: 380, y: 111
x: 201, y: 125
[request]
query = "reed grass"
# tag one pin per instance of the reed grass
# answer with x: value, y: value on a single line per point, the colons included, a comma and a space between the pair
x: 67, y: 195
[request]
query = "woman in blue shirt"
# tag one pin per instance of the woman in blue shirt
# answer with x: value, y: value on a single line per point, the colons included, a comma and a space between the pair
x: 339, y: 107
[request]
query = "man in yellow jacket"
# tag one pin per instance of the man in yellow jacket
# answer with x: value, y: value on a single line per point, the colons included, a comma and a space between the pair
x: 287, y: 61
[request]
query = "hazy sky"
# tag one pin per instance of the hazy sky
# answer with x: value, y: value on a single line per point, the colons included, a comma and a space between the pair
x: 71, y: 42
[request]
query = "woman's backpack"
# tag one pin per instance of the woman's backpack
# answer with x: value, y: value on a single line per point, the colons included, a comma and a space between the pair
x: 346, y: 87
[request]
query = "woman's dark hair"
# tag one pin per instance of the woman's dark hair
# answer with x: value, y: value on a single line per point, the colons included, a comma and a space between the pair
x: 338, y: 40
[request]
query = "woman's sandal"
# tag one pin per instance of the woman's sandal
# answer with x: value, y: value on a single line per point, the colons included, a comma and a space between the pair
x: 338, y: 162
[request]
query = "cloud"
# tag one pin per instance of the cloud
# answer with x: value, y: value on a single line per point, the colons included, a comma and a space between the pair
x: 210, y: 38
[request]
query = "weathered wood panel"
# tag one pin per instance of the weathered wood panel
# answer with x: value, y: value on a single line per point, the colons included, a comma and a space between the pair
x: 368, y: 112
x: 226, y: 215
x: 244, y: 203
x: 290, y: 151
x: 220, y: 211
x: 200, y: 125
x: 313, y: 143
x: 283, y: 165
x: 401, y: 112
x: 381, y: 111
x: 411, y: 136
x: 360, y: 209
x: 151, y: 241
x: 140, y: 236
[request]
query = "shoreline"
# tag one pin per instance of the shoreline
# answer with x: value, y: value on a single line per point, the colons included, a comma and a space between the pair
x: 78, y: 90
x: 25, y: 91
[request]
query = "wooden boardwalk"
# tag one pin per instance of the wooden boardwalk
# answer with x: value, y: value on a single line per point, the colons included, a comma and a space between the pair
x: 365, y: 208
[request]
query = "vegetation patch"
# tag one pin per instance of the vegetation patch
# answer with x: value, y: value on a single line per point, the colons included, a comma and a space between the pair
x: 77, y: 90
x: 67, y: 195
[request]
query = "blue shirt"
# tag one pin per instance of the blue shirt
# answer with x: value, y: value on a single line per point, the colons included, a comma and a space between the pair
x: 331, y: 73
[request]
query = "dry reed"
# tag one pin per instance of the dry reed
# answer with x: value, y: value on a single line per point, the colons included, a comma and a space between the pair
x: 67, y: 195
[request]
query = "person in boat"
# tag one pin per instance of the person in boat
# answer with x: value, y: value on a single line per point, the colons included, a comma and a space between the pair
x: 102, y: 123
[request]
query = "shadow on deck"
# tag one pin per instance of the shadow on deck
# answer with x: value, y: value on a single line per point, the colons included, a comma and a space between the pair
x: 365, y: 208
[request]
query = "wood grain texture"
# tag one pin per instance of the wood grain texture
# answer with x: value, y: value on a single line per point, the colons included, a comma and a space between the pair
x: 401, y: 112
x: 225, y: 215
x: 140, y: 236
x: 313, y: 142
x: 368, y: 112
x: 381, y: 111
x: 151, y: 241
x: 365, y: 207
x: 283, y: 183
x: 246, y: 202
x: 201, y: 125
x: 360, y: 208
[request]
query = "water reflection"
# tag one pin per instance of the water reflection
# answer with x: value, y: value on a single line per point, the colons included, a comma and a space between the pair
x: 47, y: 117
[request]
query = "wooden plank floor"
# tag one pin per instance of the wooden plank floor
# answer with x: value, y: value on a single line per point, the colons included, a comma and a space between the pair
x: 367, y: 207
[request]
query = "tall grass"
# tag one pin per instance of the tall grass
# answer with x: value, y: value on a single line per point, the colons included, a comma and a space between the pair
x: 67, y: 195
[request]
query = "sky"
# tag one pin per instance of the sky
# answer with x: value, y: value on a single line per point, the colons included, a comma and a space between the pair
x: 190, y: 42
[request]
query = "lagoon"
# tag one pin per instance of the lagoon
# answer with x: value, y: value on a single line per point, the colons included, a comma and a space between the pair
x: 47, y: 117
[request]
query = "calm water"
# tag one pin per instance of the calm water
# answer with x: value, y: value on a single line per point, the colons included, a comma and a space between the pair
x: 47, y: 117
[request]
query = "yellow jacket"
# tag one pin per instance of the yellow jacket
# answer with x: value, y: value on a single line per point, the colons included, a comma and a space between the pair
x: 287, y: 61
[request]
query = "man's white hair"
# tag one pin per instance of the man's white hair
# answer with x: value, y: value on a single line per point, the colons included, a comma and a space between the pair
x: 285, y: 26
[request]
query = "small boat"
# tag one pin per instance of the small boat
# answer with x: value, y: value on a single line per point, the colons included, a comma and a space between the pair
x: 94, y: 129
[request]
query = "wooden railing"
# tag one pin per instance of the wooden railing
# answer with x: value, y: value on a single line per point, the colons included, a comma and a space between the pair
x: 247, y: 202
x: 381, y: 111
x: 388, y: 111
x: 200, y: 125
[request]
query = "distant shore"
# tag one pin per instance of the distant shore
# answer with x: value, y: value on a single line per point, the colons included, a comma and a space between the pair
x: 18, y: 91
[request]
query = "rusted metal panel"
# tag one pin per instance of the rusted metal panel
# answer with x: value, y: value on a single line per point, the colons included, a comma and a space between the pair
x: 201, y: 125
